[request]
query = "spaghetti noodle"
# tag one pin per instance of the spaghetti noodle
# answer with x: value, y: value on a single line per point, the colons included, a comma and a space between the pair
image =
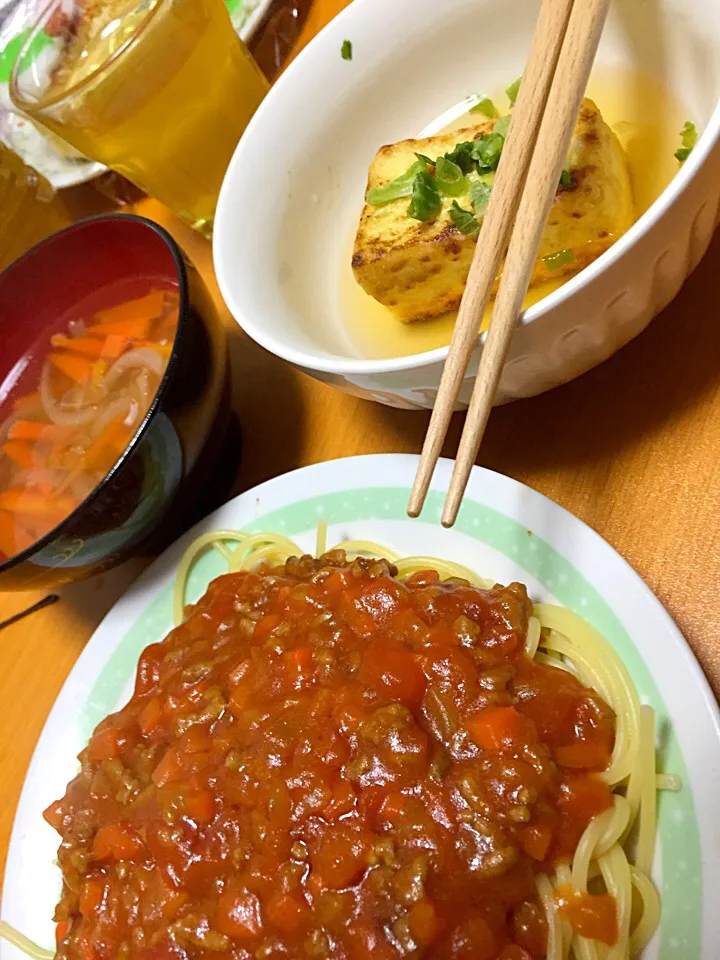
x: 610, y: 861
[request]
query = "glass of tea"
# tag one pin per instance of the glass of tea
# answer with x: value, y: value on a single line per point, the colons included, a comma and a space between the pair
x: 159, y: 90
x: 29, y: 209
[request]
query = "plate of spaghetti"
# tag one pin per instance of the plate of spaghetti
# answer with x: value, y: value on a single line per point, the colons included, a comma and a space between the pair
x: 315, y: 728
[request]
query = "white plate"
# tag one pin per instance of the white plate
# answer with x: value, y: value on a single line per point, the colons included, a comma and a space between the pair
x: 505, y: 531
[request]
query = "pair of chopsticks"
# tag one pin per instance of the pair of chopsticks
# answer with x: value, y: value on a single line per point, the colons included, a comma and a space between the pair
x: 566, y: 39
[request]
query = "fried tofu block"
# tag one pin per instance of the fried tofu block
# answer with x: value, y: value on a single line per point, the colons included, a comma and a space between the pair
x: 419, y: 270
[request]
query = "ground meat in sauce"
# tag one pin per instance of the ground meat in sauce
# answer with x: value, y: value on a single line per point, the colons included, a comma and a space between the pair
x: 323, y: 761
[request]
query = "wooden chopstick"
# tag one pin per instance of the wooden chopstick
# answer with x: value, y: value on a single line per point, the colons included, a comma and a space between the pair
x: 497, y: 223
x: 553, y: 142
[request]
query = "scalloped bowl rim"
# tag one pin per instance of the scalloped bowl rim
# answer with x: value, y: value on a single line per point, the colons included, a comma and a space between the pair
x: 707, y: 141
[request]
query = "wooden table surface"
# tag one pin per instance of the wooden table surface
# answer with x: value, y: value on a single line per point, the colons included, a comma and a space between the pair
x: 632, y: 448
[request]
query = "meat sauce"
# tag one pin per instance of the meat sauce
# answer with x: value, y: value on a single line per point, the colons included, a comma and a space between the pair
x: 323, y: 761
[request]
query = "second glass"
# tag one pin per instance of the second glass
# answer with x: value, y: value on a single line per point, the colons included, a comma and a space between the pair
x: 159, y: 90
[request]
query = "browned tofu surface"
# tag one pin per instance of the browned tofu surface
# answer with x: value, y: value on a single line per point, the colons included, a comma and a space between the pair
x: 419, y: 270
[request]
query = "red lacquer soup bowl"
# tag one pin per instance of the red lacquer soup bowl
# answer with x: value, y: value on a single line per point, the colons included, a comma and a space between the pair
x: 114, y: 399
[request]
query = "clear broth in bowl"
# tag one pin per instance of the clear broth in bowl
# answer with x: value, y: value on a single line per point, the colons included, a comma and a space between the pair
x: 72, y: 403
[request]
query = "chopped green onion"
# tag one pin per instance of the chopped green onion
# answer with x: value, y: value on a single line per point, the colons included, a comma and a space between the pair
x: 346, y: 50
x: 487, y: 150
x: 513, y: 90
x: 426, y: 203
x: 555, y: 261
x: 402, y: 186
x: 451, y: 181
x: 479, y: 196
x: 502, y: 125
x: 464, y: 220
x: 486, y: 107
x: 566, y: 180
x: 462, y: 155
x: 689, y: 137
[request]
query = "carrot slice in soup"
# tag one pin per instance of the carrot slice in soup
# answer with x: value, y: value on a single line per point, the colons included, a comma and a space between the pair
x: 109, y: 445
x: 29, y: 400
x: 75, y: 367
x: 13, y: 536
x: 151, y: 305
x: 114, y: 345
x: 87, y: 346
x: 164, y: 349
x: 19, y: 500
x: 27, y: 430
x: 133, y: 328
x: 36, y: 430
x: 21, y: 452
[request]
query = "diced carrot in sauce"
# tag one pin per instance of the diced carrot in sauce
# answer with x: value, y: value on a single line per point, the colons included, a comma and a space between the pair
x: 60, y: 930
x: 92, y: 895
x: 200, y: 806
x: 265, y: 626
x: 288, y: 911
x: 536, y: 840
x: 77, y: 368
x: 513, y: 952
x: 585, y: 797
x: 105, y: 744
x: 195, y: 740
x: 301, y: 659
x: 496, y: 728
x: 479, y: 939
x: 338, y: 861
x: 169, y: 770
x: 21, y: 452
x: 334, y: 585
x: 151, y: 716
x: 423, y: 922
x: 88, y: 950
x: 342, y: 802
x: 54, y: 815
x: 238, y: 913
x: 584, y: 755
x: 118, y: 841
x: 394, y: 671
x: 591, y: 915
x: 393, y: 806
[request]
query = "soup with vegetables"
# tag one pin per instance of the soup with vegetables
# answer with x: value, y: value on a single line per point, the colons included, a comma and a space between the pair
x: 70, y: 406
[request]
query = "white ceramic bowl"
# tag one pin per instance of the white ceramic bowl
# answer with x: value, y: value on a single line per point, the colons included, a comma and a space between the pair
x: 294, y: 189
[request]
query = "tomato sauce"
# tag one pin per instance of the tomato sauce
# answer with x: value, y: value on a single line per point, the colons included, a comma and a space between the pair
x: 323, y: 761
